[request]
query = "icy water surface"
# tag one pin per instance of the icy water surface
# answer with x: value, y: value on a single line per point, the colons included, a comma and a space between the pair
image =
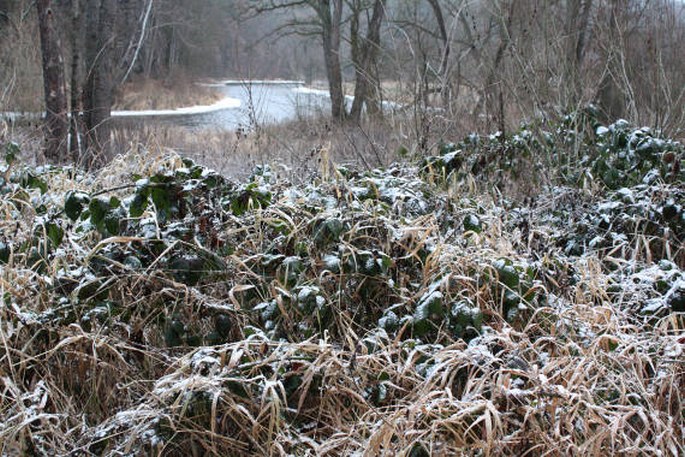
x: 247, y: 104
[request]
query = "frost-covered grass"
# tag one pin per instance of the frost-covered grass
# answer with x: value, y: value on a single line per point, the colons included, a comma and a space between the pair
x: 158, y: 308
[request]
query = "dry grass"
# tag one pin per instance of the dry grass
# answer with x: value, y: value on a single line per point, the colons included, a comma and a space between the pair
x: 293, y: 149
x: 578, y: 374
x: 153, y: 94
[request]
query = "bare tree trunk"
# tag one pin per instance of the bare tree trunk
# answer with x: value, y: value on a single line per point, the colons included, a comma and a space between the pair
x: 444, y: 59
x: 76, y: 84
x: 355, y: 52
x: 136, y: 49
x: 369, y: 53
x: 98, y: 95
x: 56, y: 124
x: 330, y: 20
x: 609, y: 95
x: 494, y: 95
x: 330, y: 29
x: 577, y: 23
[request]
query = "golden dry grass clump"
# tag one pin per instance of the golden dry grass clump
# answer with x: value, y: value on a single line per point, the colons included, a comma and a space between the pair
x: 160, y: 95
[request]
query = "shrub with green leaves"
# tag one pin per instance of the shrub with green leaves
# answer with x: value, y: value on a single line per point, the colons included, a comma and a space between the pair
x: 618, y: 155
x: 378, y: 311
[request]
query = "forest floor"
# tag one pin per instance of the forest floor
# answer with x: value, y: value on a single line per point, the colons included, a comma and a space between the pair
x: 519, y: 294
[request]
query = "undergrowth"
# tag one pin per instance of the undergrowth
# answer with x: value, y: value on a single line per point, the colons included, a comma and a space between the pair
x: 159, y: 308
x: 159, y: 95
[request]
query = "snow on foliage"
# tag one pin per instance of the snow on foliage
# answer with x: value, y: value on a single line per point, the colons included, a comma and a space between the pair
x: 162, y: 308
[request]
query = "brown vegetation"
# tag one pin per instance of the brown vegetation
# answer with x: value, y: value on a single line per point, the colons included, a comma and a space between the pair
x: 391, y: 286
x: 579, y: 372
x: 153, y: 94
x: 293, y: 149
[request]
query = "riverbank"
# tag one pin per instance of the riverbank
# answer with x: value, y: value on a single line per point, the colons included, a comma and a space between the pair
x: 151, y: 94
x: 152, y: 98
x: 284, y: 123
x: 294, y: 149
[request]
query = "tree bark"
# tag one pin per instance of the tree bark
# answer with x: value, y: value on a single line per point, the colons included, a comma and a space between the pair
x: 609, y: 95
x: 98, y: 97
x: 444, y: 59
x: 56, y: 125
x: 76, y: 83
x: 369, y: 53
x: 577, y: 24
x: 330, y: 32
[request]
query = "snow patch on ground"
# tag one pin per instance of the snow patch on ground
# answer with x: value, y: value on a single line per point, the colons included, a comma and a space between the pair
x: 310, y: 91
x: 248, y: 82
x: 225, y: 103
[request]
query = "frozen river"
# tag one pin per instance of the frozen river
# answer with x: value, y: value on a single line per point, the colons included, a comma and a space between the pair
x: 246, y: 104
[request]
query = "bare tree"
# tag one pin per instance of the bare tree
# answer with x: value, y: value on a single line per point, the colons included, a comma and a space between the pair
x: 328, y: 21
x: 609, y: 95
x: 134, y: 49
x: 56, y: 126
x: 443, y: 72
x: 493, y: 90
x: 100, y: 17
x: 576, y: 33
x: 366, y: 56
x: 330, y: 13
x: 327, y: 24
x: 75, y: 127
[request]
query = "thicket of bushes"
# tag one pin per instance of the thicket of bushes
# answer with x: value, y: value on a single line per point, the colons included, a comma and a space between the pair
x: 164, y: 308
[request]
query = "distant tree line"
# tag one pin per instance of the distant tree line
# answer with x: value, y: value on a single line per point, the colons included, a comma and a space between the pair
x: 494, y: 62
x: 476, y: 63
x: 90, y: 48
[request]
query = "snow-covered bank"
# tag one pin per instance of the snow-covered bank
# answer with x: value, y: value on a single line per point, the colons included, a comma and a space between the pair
x: 310, y: 91
x: 348, y: 98
x: 225, y: 103
x: 250, y: 82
